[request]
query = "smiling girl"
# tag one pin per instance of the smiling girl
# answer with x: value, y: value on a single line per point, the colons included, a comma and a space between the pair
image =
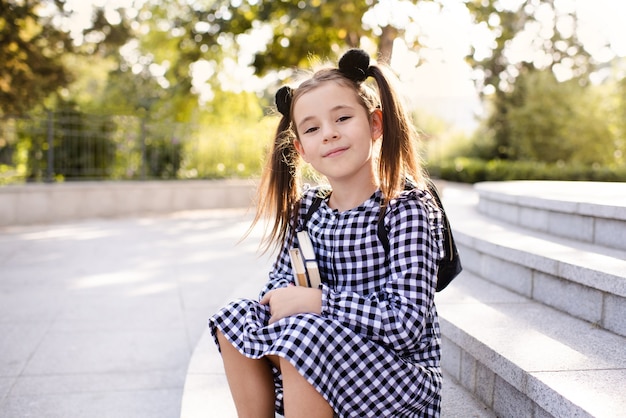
x: 366, y: 343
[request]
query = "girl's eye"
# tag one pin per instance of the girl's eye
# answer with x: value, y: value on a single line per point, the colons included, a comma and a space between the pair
x: 343, y: 118
x: 310, y: 130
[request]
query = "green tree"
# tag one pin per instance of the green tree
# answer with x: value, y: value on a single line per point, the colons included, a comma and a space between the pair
x: 552, y: 121
x: 546, y: 33
x: 554, y: 47
x: 31, y: 47
x: 619, y: 121
x: 292, y: 30
x: 267, y: 35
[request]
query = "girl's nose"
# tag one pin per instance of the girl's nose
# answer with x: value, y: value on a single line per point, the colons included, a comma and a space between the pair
x: 330, y: 133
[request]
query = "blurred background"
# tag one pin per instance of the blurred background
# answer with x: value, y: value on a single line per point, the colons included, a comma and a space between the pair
x: 183, y: 89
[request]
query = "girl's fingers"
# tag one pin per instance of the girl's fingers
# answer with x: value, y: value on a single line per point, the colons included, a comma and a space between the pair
x: 265, y: 300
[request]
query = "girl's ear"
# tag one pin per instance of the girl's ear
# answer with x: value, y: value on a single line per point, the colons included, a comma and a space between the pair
x: 376, y: 124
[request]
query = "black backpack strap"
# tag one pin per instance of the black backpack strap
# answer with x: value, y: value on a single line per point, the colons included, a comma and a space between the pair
x: 382, y: 233
x: 317, y: 201
x: 448, y: 238
x: 450, y: 266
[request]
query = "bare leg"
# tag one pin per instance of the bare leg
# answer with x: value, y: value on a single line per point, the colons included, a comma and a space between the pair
x: 301, y: 398
x: 250, y: 381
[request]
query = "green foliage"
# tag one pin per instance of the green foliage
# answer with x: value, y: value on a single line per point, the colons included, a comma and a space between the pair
x: 521, y: 124
x: 13, y: 154
x: 103, y: 38
x: 556, y: 47
x: 544, y: 120
x: 299, y: 29
x: 304, y: 29
x: 439, y: 140
x: 82, y: 147
x: 163, y: 157
x: 228, y: 107
x: 559, y: 122
x: 229, y: 150
x: 81, y: 150
x: 469, y: 170
x: 143, y: 71
x: 30, y: 55
x: 617, y: 114
x: 91, y: 75
x: 131, y: 147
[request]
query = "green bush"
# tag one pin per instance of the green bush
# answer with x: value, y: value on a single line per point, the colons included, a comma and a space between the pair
x: 471, y: 170
x: 226, y: 151
x: 82, y: 145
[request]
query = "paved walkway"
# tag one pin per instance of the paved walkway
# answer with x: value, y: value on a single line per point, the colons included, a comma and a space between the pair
x: 99, y: 318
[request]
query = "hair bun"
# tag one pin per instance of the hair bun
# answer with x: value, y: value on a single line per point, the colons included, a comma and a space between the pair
x: 283, y: 100
x: 354, y: 64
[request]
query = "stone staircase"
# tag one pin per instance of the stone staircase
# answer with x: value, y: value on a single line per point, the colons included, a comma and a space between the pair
x: 535, y: 326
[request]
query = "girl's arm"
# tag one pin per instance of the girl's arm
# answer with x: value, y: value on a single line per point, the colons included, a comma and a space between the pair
x: 398, y: 315
x: 281, y: 274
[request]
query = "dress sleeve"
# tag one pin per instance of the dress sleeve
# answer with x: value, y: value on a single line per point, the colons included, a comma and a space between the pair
x: 399, y: 314
x: 281, y: 274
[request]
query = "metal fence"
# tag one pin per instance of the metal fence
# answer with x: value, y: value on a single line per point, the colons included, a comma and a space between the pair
x: 70, y: 145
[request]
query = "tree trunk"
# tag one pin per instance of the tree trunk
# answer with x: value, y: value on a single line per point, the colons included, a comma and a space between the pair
x: 385, y: 44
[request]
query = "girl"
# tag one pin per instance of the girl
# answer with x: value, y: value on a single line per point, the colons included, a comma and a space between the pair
x: 365, y: 343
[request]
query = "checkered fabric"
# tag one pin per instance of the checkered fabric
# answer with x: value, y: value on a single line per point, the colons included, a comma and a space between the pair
x: 374, y: 350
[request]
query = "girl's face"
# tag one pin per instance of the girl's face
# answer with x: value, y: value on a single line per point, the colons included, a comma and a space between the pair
x: 335, y: 133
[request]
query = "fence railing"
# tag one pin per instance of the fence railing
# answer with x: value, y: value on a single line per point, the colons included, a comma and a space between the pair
x: 70, y: 145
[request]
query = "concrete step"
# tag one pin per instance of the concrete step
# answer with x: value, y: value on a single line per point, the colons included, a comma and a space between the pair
x: 522, y: 358
x: 206, y: 392
x: 585, y: 280
x: 534, y: 326
x: 34, y: 203
x: 590, y: 212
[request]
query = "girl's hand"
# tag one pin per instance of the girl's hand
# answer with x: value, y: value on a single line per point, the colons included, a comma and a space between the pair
x: 292, y: 300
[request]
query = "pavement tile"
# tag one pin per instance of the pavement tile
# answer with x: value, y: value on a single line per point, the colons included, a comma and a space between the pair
x: 109, y: 352
x: 99, y: 318
x: 67, y: 383
x: 18, y: 344
x: 163, y: 403
x: 6, y: 383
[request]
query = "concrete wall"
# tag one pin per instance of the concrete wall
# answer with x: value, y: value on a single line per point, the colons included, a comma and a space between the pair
x: 58, y: 202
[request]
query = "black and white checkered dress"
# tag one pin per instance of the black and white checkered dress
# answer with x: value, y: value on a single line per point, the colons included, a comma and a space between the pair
x: 374, y: 350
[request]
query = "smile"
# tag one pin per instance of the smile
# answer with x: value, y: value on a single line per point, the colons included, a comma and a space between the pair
x: 335, y: 152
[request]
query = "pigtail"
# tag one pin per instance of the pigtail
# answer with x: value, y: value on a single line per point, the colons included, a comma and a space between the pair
x: 279, y: 189
x: 393, y: 149
x: 399, y: 157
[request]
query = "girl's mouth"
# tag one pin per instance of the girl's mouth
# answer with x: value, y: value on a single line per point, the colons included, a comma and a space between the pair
x: 335, y: 152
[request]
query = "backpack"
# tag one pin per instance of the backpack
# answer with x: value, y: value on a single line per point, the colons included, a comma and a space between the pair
x: 449, y: 265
